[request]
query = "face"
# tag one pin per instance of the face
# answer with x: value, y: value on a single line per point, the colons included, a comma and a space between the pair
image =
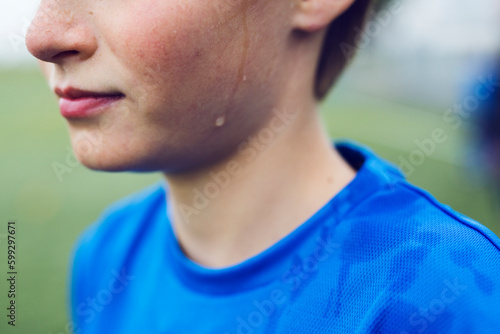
x: 161, y: 84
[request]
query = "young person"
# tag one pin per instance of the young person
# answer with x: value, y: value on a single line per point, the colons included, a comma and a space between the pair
x: 262, y: 225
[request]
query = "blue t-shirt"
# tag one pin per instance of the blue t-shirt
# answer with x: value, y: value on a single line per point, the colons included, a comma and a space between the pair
x: 382, y: 256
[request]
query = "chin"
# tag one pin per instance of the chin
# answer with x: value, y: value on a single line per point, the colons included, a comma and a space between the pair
x: 118, y: 161
x: 104, y: 165
x: 125, y: 156
x: 100, y: 159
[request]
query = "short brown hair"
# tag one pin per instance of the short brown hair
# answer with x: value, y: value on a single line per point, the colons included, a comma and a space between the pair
x: 341, y: 31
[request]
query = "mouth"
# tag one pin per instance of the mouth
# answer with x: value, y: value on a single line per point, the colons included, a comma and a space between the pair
x: 78, y: 104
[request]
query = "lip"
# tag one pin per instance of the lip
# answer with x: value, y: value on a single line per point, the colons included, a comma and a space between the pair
x: 76, y: 103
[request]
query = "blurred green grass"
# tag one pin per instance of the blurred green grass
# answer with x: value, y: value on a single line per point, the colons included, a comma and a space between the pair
x: 50, y: 214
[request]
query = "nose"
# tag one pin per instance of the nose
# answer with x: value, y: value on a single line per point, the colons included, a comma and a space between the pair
x: 60, y: 34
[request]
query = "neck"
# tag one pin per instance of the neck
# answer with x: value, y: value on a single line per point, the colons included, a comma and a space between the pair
x: 233, y: 210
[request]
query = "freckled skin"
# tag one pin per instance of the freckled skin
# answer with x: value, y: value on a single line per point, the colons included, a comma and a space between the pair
x: 180, y: 67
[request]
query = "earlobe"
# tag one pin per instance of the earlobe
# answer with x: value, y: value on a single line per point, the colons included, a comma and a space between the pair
x: 314, y: 15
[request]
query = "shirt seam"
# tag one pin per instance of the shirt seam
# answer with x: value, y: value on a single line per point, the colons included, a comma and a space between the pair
x: 449, y: 212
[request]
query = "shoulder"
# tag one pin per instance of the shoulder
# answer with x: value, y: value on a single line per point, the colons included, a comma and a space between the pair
x: 122, y: 218
x: 118, y: 228
x: 424, y: 267
x: 439, y: 271
x: 400, y: 213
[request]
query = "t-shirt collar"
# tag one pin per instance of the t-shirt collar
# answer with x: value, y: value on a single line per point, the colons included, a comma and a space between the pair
x: 373, y: 174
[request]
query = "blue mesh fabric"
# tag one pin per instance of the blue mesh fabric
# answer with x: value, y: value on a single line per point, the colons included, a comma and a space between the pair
x: 381, y: 257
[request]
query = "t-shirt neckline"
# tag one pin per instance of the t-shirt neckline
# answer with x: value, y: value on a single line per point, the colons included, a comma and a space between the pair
x: 373, y: 174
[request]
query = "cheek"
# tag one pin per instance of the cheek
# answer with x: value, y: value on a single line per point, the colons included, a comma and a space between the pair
x: 180, y: 56
x: 182, y: 65
x: 167, y: 38
x: 153, y: 42
x: 177, y: 66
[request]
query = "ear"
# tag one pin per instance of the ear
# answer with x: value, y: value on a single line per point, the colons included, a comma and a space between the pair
x: 314, y: 15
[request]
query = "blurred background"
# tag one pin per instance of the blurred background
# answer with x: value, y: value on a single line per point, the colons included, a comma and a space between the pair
x: 424, y: 67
